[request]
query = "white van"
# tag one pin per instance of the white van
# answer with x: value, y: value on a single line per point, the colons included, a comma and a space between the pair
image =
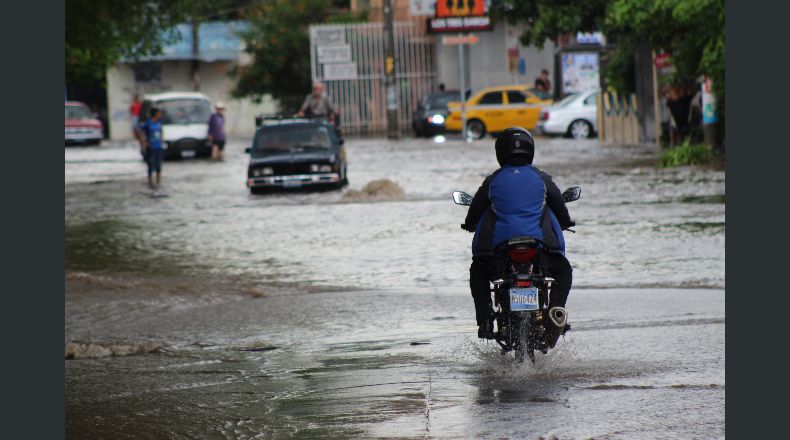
x: 184, y: 122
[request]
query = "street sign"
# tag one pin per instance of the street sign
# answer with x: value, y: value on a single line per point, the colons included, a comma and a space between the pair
x: 334, y: 54
x: 422, y: 8
x: 340, y: 71
x: 459, y: 24
x: 328, y: 37
x: 466, y: 39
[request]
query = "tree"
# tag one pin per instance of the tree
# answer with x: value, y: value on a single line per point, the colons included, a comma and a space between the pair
x: 691, y: 30
x: 99, y: 33
x: 279, y: 46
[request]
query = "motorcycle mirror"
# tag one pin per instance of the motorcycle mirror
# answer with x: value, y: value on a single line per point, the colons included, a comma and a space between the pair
x: 572, y: 193
x: 462, y: 198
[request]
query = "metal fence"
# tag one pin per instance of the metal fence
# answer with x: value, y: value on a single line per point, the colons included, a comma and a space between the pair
x: 618, y: 119
x: 349, y: 60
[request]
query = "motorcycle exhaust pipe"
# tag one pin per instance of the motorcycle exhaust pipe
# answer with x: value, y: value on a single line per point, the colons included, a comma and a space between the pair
x: 558, y: 317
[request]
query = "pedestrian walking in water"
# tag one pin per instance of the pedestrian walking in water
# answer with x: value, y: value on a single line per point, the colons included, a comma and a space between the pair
x: 154, y: 151
x: 216, y: 131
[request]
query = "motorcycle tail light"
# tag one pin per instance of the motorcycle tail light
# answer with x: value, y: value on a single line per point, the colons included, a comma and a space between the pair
x: 523, y: 283
x: 522, y: 255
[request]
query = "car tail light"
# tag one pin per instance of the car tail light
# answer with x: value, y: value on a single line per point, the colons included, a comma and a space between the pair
x: 522, y: 255
x: 544, y: 116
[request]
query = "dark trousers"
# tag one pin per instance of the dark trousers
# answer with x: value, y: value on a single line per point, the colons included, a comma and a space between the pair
x: 482, y: 271
x: 155, y: 158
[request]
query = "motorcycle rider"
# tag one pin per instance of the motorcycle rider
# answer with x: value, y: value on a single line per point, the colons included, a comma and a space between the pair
x: 518, y: 199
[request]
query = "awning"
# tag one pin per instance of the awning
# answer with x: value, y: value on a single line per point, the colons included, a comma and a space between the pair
x: 217, y: 41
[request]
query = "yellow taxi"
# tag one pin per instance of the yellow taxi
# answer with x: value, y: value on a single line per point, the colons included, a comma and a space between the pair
x: 494, y: 109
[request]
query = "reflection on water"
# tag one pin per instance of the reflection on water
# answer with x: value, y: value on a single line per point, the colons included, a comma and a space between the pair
x: 630, y: 217
x: 212, y: 313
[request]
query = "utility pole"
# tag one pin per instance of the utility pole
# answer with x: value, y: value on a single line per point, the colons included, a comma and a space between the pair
x: 462, y: 72
x: 389, y: 69
x: 195, y: 54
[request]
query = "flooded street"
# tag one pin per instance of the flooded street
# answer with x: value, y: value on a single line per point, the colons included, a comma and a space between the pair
x: 205, y: 312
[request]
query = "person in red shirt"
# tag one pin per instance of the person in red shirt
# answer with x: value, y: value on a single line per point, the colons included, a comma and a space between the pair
x: 134, y: 110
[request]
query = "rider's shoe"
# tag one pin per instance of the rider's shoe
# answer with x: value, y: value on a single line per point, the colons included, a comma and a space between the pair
x: 486, y: 330
x: 567, y: 327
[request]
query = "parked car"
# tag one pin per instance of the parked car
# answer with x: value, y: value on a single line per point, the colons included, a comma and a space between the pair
x: 575, y: 116
x: 496, y: 108
x: 184, y: 122
x: 296, y: 153
x: 81, y: 125
x: 431, y: 113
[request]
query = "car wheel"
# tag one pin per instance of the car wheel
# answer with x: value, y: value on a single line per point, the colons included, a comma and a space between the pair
x: 475, y: 129
x: 580, y: 129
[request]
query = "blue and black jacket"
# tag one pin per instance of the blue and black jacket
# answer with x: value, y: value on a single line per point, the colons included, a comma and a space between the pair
x: 517, y: 200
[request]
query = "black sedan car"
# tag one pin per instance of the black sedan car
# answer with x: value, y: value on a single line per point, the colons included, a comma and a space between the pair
x: 429, y: 117
x: 296, y: 153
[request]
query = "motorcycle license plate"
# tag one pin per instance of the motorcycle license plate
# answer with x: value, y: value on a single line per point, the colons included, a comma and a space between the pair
x: 524, y: 299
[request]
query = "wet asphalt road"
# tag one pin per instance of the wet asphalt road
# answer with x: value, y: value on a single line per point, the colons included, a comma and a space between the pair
x: 305, y: 315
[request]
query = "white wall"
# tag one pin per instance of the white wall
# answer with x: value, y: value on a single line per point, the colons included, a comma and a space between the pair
x: 487, y: 61
x: 214, y: 82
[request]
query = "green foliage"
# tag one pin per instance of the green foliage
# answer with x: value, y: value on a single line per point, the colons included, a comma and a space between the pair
x: 279, y: 45
x: 548, y: 19
x: 687, y: 154
x: 692, y: 30
x: 99, y: 33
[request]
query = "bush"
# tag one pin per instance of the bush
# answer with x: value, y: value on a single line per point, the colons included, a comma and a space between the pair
x: 687, y: 154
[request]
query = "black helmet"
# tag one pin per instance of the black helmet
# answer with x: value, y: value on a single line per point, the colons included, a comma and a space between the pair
x: 514, y: 142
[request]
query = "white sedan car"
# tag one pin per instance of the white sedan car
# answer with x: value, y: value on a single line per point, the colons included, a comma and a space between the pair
x: 575, y: 116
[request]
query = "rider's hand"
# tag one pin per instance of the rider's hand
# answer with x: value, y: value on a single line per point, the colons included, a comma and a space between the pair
x: 467, y: 228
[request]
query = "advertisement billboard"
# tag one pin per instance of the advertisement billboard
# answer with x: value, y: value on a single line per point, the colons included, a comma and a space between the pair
x: 580, y: 71
x: 460, y: 16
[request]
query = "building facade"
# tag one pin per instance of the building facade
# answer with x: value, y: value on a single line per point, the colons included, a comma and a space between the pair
x: 182, y: 66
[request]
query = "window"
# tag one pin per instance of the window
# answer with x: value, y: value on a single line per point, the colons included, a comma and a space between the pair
x: 293, y: 137
x: 147, y: 73
x: 440, y: 101
x: 185, y: 111
x: 592, y: 99
x: 514, y: 97
x: 491, y: 98
x: 78, y: 112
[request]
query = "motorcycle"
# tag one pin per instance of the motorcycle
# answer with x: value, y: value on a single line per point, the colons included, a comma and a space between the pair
x: 521, y: 289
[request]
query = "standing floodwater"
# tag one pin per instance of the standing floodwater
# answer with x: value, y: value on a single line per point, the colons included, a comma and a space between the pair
x: 205, y: 312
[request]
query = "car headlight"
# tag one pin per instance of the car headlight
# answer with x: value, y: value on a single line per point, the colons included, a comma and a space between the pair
x: 267, y: 171
x: 325, y: 168
x: 436, y: 119
x: 314, y: 168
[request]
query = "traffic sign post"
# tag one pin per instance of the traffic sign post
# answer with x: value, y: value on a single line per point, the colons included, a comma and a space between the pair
x: 461, y: 41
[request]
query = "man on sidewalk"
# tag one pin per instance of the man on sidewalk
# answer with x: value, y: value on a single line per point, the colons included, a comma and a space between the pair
x: 216, y: 131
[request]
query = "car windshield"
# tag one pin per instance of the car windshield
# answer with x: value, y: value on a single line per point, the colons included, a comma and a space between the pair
x: 567, y: 100
x: 439, y: 101
x: 184, y: 111
x: 78, y: 112
x: 297, y: 137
